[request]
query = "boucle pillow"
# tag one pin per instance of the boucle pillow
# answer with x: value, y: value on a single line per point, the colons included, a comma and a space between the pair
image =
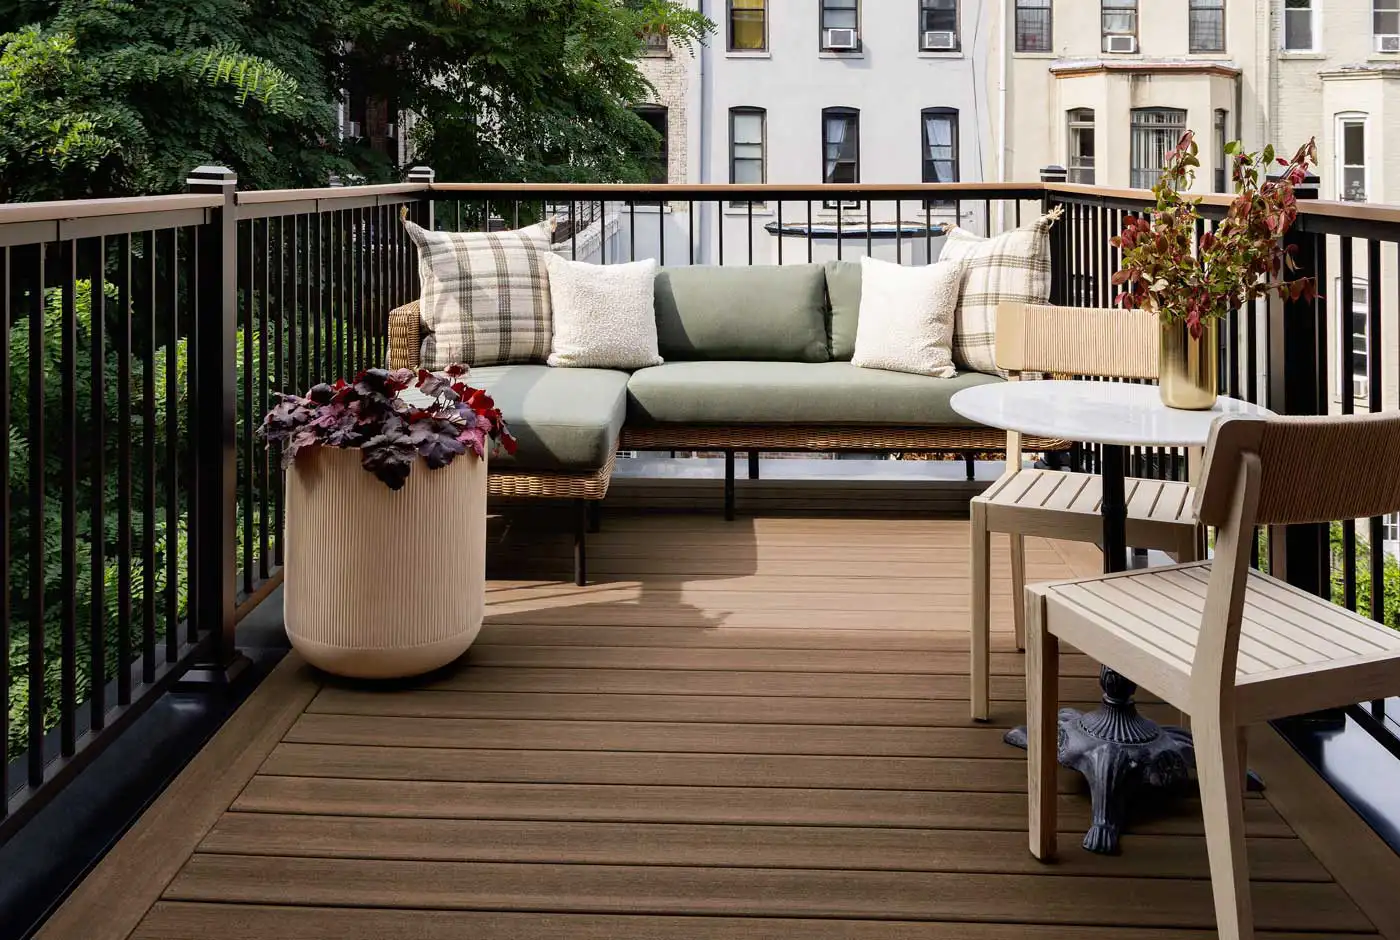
x: 604, y: 314
x: 1013, y: 266
x: 485, y: 295
x: 906, y: 317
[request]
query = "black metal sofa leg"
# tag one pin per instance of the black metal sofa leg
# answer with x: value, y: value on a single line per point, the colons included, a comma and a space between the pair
x: 581, y: 515
x: 753, y: 465
x: 729, y: 486
x: 595, y: 515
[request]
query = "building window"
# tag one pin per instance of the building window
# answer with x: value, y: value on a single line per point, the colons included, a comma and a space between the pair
x: 657, y: 159
x: 1120, y: 25
x: 840, y: 147
x: 840, y: 25
x: 1351, y: 158
x: 748, y: 165
x: 1355, y: 337
x: 1033, y: 26
x: 1207, y: 24
x: 1081, y: 146
x: 1222, y: 159
x: 1155, y: 131
x: 938, y: 25
x: 655, y: 44
x: 940, y: 133
x: 1299, y: 26
x: 748, y: 25
x: 1385, y: 23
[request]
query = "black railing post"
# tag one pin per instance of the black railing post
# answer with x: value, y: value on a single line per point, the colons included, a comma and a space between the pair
x: 1059, y: 259
x: 422, y: 211
x: 1298, y: 386
x: 215, y: 341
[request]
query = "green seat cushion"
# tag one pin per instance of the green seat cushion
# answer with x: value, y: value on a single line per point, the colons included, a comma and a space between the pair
x: 762, y: 312
x: 564, y: 419
x: 843, y: 298
x: 825, y: 393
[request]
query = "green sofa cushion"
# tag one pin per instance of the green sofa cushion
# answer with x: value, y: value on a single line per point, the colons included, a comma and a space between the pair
x: 564, y: 419
x: 843, y: 296
x: 759, y: 312
x: 828, y: 393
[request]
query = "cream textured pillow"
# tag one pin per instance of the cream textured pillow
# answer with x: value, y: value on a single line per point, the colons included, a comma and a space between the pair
x: 604, y: 314
x: 1014, y: 266
x: 485, y: 295
x: 906, y: 317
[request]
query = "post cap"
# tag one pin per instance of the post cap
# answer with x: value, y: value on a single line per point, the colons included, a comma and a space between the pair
x: 1053, y: 174
x: 421, y: 174
x: 216, y: 177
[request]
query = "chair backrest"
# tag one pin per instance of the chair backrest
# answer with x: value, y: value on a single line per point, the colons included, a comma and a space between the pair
x: 1120, y: 344
x: 1094, y: 341
x: 1282, y: 471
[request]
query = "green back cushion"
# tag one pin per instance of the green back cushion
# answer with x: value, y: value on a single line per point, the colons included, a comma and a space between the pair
x: 763, y: 312
x: 843, y: 292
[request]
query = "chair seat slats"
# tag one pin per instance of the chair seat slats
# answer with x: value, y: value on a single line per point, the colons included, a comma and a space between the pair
x: 1082, y: 494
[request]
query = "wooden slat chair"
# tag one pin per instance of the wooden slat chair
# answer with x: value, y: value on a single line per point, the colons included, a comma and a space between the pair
x: 1224, y: 643
x: 1121, y: 344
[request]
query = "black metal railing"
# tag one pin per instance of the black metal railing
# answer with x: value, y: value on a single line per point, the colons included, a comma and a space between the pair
x: 147, y: 336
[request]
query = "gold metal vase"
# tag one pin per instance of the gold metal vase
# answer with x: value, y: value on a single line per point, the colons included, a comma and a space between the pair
x: 1188, y: 373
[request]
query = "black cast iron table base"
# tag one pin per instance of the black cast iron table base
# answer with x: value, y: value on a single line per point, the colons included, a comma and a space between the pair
x: 1119, y: 752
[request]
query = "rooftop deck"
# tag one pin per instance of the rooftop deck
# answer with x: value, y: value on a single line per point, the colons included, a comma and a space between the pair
x: 755, y: 729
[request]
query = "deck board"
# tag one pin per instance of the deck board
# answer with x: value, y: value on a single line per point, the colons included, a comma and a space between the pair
x: 751, y: 730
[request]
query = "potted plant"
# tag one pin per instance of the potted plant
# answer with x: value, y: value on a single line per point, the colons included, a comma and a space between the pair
x: 386, y: 518
x: 1193, y: 283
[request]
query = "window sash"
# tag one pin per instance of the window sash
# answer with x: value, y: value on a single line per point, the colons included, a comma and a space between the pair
x: 1385, y: 17
x: 1080, y: 158
x: 1154, y: 133
x: 1355, y: 335
x: 940, y: 131
x: 840, y: 147
x: 938, y: 16
x: 1206, y: 20
x: 1298, y: 26
x: 1033, y: 26
x: 840, y: 14
x: 748, y: 25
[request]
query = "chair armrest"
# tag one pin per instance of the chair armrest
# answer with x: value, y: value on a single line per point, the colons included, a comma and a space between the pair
x: 405, y: 337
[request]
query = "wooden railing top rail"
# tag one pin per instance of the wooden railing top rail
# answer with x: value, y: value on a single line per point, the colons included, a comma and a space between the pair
x: 719, y: 190
x: 12, y: 213
x: 249, y: 197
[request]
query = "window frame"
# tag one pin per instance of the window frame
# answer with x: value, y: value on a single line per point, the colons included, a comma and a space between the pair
x: 954, y: 119
x: 1354, y: 119
x: 1133, y: 7
x: 853, y: 114
x: 1075, y: 125
x: 729, y: 28
x: 1347, y: 335
x: 1199, y: 6
x: 923, y: 9
x: 762, y: 115
x: 1135, y: 125
x: 822, y: 11
x: 1024, y: 6
x: 1314, y: 15
x: 652, y: 108
x: 1220, y: 124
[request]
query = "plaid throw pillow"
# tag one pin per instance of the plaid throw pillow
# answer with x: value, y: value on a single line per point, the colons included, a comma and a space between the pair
x: 1013, y: 266
x: 485, y: 296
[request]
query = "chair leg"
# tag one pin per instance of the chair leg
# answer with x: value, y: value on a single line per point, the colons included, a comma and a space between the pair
x: 753, y: 465
x: 1042, y: 727
x: 729, y: 486
x: 580, y: 542
x: 981, y: 613
x: 1018, y: 588
x: 1220, y: 769
x: 595, y: 515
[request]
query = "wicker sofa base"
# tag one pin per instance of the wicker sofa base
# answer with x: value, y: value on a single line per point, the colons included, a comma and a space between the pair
x: 821, y: 438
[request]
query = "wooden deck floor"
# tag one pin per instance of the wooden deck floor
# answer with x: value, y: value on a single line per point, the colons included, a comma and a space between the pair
x: 747, y: 730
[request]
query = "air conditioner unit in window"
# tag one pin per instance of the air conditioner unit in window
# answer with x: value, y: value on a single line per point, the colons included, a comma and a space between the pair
x: 1388, y: 43
x: 1122, y: 42
x: 936, y: 39
x: 352, y: 128
x: 1360, y: 387
x: 391, y: 130
x: 841, y: 40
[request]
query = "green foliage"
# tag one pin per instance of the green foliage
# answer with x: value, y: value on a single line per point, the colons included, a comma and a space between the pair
x: 1390, y: 569
x: 111, y: 98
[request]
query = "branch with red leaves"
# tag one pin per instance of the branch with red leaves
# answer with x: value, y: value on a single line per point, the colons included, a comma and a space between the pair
x: 1167, y: 269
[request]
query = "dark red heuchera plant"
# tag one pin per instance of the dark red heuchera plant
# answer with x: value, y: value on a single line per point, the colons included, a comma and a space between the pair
x: 1243, y: 258
x: 445, y: 420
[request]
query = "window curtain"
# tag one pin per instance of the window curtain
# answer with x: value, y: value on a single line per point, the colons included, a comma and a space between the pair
x: 840, y: 149
x: 746, y: 26
x: 940, y: 159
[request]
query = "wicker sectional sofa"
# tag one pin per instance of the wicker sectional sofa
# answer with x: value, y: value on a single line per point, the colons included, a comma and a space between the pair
x: 757, y: 358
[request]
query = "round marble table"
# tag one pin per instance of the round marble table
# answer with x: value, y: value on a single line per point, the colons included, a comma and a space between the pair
x: 1114, y: 747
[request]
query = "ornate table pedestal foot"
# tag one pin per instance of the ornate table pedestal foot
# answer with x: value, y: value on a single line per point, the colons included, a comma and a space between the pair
x: 1118, y: 751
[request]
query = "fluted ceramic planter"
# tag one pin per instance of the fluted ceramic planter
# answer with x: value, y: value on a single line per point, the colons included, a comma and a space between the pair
x: 1188, y: 369
x: 382, y: 584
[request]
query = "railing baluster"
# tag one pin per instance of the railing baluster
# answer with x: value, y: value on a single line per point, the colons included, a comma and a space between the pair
x: 172, y: 457
x: 247, y: 299
x: 1344, y: 384
x: 97, y: 509
x: 258, y: 456
x: 68, y: 519
x: 148, y: 469
x: 1375, y: 390
x: 7, y: 530
x: 38, y: 386
x: 279, y: 383
x: 124, y: 488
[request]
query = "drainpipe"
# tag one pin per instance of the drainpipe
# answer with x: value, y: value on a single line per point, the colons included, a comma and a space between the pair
x: 1003, y: 66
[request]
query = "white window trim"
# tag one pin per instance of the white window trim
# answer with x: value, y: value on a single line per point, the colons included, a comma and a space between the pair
x: 1316, y: 47
x: 1346, y: 383
x: 1340, y: 121
x: 1374, y: 34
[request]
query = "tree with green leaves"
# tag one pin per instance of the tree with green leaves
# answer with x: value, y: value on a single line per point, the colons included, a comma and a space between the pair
x: 124, y: 97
